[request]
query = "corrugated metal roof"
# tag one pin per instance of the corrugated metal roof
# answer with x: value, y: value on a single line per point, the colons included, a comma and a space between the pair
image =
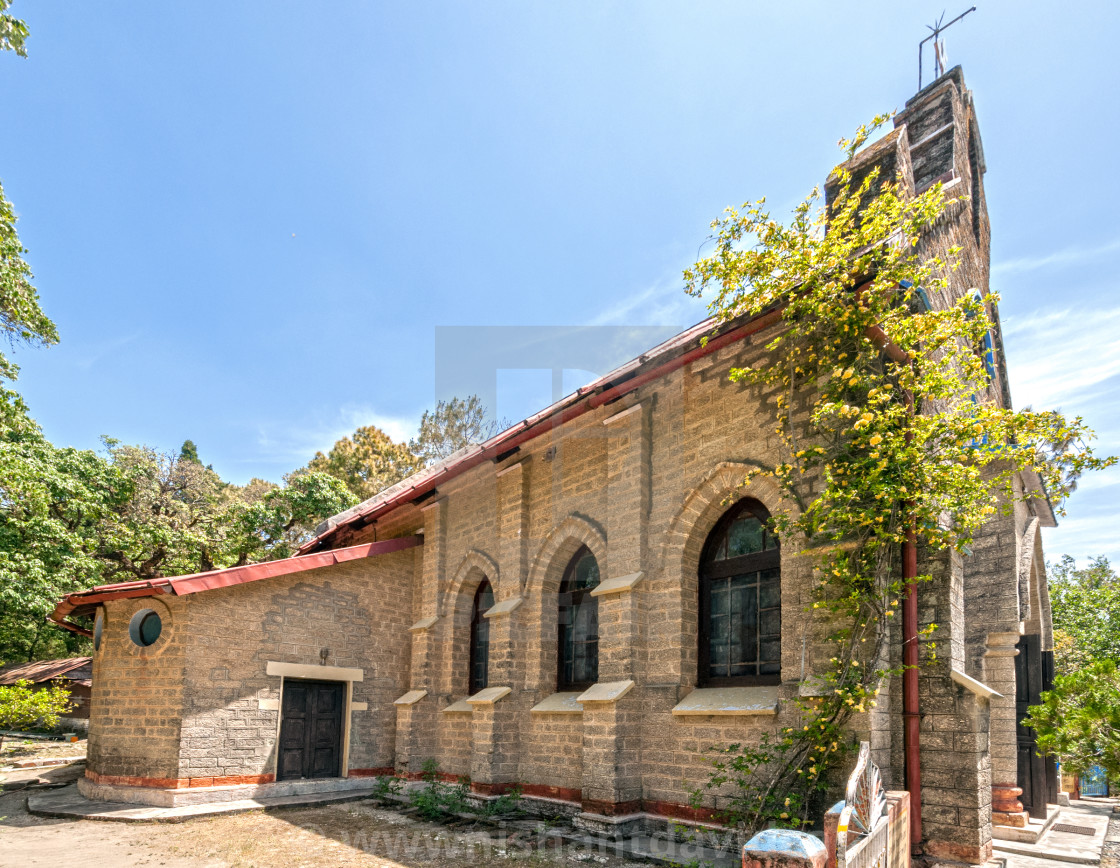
x: 76, y: 669
x: 670, y: 353
x: 85, y: 601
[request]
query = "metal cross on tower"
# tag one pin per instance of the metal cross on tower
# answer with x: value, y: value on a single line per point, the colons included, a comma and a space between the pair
x: 938, y: 45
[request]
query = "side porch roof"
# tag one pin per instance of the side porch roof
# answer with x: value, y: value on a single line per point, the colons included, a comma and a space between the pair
x: 84, y: 602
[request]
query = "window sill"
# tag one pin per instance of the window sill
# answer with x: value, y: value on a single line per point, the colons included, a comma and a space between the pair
x: 505, y: 607
x: 621, y: 585
x: 488, y: 696
x: 559, y: 703
x: 606, y: 691
x: 459, y: 707
x: 424, y: 624
x: 973, y: 686
x: 729, y: 701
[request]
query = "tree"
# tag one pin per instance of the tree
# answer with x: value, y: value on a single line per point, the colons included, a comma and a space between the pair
x: 24, y: 707
x: 273, y: 521
x: 189, y: 452
x: 181, y: 518
x: 875, y: 448
x: 452, y: 426
x: 1086, y: 609
x: 1079, y: 720
x: 21, y: 317
x: 52, y: 503
x: 13, y: 31
x: 171, y: 524
x: 368, y: 461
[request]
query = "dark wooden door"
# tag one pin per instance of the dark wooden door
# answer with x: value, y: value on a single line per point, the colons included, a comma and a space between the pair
x: 1028, y: 690
x: 310, y: 730
x: 1052, y: 787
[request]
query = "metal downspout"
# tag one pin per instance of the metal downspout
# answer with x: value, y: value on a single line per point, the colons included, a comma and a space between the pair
x: 911, y: 734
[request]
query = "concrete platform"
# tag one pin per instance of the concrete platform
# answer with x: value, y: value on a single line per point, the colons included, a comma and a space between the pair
x: 1056, y: 846
x: 160, y: 797
x: 68, y: 803
x: 1030, y: 833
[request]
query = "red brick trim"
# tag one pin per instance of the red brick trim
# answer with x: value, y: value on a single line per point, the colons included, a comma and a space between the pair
x: 492, y: 789
x: 611, y: 809
x: 177, y: 783
x: 446, y: 777
x: 682, y: 812
x: 604, y: 808
x: 544, y: 791
x: 371, y: 773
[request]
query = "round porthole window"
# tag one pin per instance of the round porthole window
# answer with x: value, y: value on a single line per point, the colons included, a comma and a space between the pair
x: 98, y: 627
x: 145, y: 627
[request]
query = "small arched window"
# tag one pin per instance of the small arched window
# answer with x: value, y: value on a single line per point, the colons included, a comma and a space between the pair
x: 740, y: 600
x: 578, y: 653
x: 480, y: 637
x: 987, y: 348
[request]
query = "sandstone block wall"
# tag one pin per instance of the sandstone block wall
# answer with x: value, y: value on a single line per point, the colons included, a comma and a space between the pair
x: 202, y: 707
x: 136, y: 704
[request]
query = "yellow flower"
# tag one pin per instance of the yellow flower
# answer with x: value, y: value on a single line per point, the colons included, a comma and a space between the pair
x: 876, y: 440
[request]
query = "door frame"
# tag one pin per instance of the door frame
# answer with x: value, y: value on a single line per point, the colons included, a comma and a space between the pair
x: 307, y: 672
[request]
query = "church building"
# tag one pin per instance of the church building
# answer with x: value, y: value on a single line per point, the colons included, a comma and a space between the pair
x: 582, y: 605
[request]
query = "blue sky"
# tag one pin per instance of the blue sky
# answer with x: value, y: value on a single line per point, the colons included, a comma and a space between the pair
x: 253, y: 223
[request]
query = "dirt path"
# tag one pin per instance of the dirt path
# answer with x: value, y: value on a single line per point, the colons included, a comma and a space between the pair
x: 345, y: 834
x: 15, y: 749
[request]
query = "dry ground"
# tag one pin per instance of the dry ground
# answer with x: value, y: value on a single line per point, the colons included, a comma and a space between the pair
x: 345, y: 834
x: 22, y: 748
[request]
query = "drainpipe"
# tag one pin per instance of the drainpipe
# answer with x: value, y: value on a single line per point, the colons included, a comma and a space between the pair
x: 911, y: 734
x: 911, y: 737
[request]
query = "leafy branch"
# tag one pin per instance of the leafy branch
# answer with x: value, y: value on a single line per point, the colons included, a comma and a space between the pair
x: 886, y: 420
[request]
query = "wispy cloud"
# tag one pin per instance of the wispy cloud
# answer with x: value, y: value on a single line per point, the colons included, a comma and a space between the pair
x: 1068, y: 256
x: 295, y: 445
x: 90, y: 354
x: 1084, y: 535
x: 1070, y: 360
x: 1063, y: 357
x: 661, y: 303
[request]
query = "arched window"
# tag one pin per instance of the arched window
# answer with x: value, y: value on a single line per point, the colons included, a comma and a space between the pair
x: 578, y: 654
x: 480, y: 637
x: 740, y: 600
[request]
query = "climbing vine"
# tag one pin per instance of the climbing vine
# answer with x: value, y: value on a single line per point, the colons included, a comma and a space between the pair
x: 881, y: 384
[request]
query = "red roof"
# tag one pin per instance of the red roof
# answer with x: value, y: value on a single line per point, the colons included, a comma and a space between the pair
x: 700, y: 340
x: 76, y: 669
x: 84, y: 602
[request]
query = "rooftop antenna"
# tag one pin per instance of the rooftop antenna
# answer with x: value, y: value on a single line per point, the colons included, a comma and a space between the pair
x: 938, y: 45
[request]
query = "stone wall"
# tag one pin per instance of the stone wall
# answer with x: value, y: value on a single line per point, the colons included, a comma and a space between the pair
x: 215, y: 720
x: 136, y: 704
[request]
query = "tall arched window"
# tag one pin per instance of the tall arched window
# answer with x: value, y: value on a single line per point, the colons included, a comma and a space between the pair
x: 578, y: 654
x: 480, y: 637
x: 740, y: 600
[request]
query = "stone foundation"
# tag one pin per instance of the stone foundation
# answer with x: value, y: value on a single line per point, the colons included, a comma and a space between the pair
x: 175, y: 797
